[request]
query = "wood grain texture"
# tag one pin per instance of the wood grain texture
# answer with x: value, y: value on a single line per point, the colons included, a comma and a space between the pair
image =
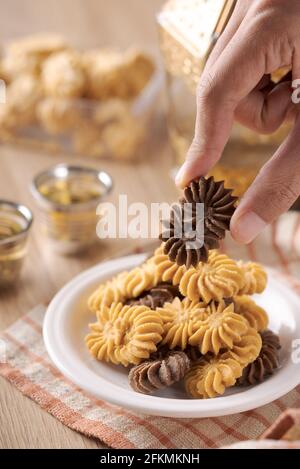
x: 86, y: 23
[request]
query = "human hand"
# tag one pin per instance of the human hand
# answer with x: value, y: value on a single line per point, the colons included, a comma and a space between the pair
x: 261, y: 36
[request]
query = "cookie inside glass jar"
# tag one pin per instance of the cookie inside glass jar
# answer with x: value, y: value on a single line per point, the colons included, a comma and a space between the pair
x: 15, y: 221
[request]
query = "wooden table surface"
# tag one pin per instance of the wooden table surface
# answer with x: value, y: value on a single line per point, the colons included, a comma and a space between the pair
x: 86, y: 23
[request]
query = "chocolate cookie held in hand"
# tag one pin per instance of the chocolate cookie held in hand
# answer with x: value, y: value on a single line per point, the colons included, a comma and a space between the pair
x: 189, y: 238
x: 150, y: 376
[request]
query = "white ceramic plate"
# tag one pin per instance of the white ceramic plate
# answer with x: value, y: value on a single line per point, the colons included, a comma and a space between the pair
x: 66, y: 324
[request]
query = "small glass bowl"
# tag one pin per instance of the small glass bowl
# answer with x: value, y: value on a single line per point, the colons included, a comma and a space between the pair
x: 68, y: 197
x: 15, y: 224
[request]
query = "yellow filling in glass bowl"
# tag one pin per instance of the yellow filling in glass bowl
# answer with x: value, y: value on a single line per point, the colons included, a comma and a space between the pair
x: 12, y: 251
x: 70, y: 191
x: 8, y: 227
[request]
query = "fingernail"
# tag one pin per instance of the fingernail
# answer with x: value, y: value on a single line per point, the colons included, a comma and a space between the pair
x: 246, y: 227
x: 180, y: 175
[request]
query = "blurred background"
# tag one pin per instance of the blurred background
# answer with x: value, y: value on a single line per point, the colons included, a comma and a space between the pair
x: 45, y: 125
x: 85, y: 23
x: 100, y: 101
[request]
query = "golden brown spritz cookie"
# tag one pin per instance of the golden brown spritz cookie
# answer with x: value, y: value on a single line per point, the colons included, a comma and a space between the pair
x: 180, y: 319
x: 112, y: 74
x: 104, y: 69
x: 255, y: 278
x: 125, y: 286
x: 22, y: 96
x: 210, y: 377
x: 221, y: 328
x: 255, y: 315
x: 137, y: 281
x: 42, y: 44
x: 58, y: 115
x: 247, y: 349
x: 164, y: 268
x: 125, y: 334
x: 26, y: 55
x: 106, y: 294
x: 63, y: 75
x: 139, y: 69
x: 219, y: 278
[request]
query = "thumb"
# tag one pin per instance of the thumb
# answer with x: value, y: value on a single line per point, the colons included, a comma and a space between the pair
x: 273, y: 192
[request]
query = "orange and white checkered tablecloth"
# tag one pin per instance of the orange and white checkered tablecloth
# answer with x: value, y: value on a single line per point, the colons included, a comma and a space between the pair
x: 30, y: 370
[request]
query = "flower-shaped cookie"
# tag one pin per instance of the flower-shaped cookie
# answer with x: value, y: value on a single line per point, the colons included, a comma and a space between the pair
x: 63, y: 75
x: 58, y: 115
x: 115, y: 75
x: 185, y: 242
x: 255, y: 278
x: 159, y: 373
x: 126, y: 285
x: 217, y: 279
x: 137, y: 281
x: 210, y: 377
x: 106, y: 294
x: 255, y: 315
x: 247, y: 349
x: 266, y: 363
x: 26, y: 55
x: 222, y: 328
x: 157, y: 296
x: 166, y: 270
x: 125, y: 334
x: 180, y: 318
x: 22, y: 96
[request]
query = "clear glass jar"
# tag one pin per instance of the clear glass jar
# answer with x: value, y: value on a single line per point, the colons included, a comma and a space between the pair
x: 68, y: 197
x: 15, y: 224
x: 113, y: 128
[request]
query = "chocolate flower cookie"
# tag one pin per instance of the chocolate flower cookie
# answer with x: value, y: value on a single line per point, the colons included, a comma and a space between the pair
x: 150, y: 376
x: 266, y: 363
x: 156, y: 297
x: 191, y: 232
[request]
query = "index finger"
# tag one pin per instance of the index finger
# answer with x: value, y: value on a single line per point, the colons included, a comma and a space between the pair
x: 221, y: 87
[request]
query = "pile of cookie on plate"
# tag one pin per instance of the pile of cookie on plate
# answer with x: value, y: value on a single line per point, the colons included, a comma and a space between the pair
x: 186, y: 313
